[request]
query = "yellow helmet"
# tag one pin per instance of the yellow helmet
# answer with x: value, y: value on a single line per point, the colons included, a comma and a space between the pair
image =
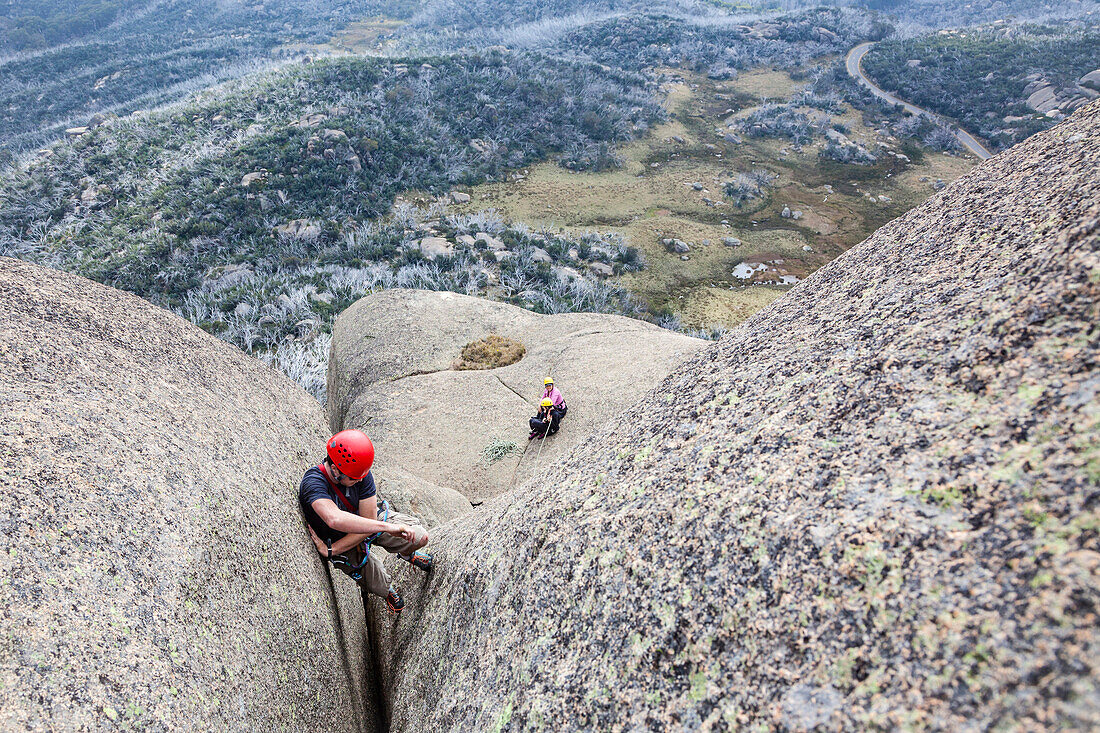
x: 547, y: 402
x: 548, y: 380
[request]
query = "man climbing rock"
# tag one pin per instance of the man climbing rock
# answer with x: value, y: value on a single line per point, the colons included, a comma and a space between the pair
x: 338, y: 499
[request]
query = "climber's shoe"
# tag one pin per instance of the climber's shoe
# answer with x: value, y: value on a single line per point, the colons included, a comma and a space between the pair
x: 395, y: 601
x: 533, y: 435
x: 422, y: 560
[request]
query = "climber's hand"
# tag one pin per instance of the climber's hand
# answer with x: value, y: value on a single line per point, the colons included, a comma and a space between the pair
x: 319, y: 543
x: 405, y: 532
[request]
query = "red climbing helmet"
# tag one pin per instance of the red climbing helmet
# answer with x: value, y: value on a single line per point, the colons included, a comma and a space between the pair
x: 352, y: 452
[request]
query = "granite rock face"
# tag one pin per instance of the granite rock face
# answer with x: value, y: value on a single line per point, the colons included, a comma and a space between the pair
x: 155, y: 571
x: 887, y: 518
x: 431, y: 504
x: 390, y: 374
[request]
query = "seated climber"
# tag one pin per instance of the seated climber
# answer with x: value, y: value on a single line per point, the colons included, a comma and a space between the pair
x: 338, y: 499
x: 544, y: 420
x: 552, y: 409
x: 550, y: 392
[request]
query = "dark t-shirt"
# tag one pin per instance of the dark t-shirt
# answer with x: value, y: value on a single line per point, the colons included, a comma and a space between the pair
x: 315, y: 485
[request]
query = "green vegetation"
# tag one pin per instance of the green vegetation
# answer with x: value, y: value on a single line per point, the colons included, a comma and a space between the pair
x: 719, y: 50
x: 979, y: 77
x: 144, y: 58
x: 257, y: 211
x: 41, y: 23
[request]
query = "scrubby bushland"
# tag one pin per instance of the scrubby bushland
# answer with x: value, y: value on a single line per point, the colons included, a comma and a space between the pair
x: 778, y: 120
x: 41, y: 23
x: 160, y: 204
x: 979, y: 77
x: 149, y: 204
x: 746, y: 186
x: 717, y: 45
x: 146, y: 57
x: 953, y: 14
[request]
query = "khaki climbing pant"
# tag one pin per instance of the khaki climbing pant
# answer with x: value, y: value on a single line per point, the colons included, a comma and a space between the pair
x: 375, y: 578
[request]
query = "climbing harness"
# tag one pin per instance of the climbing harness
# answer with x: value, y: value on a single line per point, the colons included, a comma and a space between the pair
x: 343, y: 561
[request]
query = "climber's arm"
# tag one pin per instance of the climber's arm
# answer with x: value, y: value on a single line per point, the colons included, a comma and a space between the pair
x: 342, y: 521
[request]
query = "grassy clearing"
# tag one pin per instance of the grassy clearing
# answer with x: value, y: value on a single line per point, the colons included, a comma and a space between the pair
x: 367, y: 37
x: 671, y: 186
x: 490, y: 352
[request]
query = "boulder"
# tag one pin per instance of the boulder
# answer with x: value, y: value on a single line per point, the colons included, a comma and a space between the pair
x: 602, y: 269
x: 75, y: 131
x: 310, y: 120
x: 676, y: 246
x: 460, y: 198
x: 731, y: 241
x: 1043, y: 100
x: 467, y: 240
x: 157, y: 574
x: 490, y: 241
x: 249, y: 178
x: 351, y: 160
x: 334, y: 137
x: 227, y: 276
x: 1091, y: 80
x: 433, y: 247
x: 538, y: 254
x: 883, y: 517
x: 391, y: 369
x: 431, y: 504
x: 786, y: 213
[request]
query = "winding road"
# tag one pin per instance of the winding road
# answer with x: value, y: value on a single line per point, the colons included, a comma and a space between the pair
x: 855, y: 69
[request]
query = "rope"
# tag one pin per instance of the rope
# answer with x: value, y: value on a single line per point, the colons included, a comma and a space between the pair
x: 545, y: 434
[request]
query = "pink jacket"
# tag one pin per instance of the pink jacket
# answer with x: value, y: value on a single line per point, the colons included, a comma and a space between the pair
x: 554, y: 395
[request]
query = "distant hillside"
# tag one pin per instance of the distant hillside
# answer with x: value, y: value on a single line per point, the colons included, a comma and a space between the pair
x: 71, y: 61
x: 987, y: 79
x: 277, y: 178
x: 875, y: 505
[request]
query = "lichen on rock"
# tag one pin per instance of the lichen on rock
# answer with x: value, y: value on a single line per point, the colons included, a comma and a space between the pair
x: 874, y: 505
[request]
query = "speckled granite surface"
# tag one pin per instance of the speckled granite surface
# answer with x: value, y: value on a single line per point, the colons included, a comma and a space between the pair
x: 875, y: 504
x: 154, y: 573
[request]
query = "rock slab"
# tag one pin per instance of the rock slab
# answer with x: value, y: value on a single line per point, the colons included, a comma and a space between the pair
x: 872, y: 506
x: 156, y: 574
x: 390, y: 374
